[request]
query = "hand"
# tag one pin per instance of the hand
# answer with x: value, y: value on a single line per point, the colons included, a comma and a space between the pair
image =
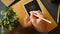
x: 37, y: 22
x: 27, y: 22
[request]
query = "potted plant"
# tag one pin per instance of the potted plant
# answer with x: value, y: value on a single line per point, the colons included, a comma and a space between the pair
x: 8, y: 19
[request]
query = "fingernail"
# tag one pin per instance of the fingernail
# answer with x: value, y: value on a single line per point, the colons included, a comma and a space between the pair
x: 38, y: 10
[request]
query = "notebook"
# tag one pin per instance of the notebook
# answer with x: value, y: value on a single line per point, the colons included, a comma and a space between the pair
x: 21, y: 11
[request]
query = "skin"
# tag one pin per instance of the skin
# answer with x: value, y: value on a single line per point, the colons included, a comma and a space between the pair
x: 35, y: 21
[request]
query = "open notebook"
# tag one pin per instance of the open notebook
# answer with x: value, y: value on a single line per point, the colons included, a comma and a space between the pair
x: 21, y: 11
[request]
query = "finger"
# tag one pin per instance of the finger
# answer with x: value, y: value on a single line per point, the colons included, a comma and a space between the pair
x: 38, y: 14
x: 37, y: 19
x: 38, y: 11
x: 27, y: 24
x: 27, y: 18
x: 32, y: 17
x: 41, y: 13
x: 27, y: 21
x: 33, y: 20
x: 33, y: 14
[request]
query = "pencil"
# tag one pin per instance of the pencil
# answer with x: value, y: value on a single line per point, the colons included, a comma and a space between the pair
x: 44, y: 19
